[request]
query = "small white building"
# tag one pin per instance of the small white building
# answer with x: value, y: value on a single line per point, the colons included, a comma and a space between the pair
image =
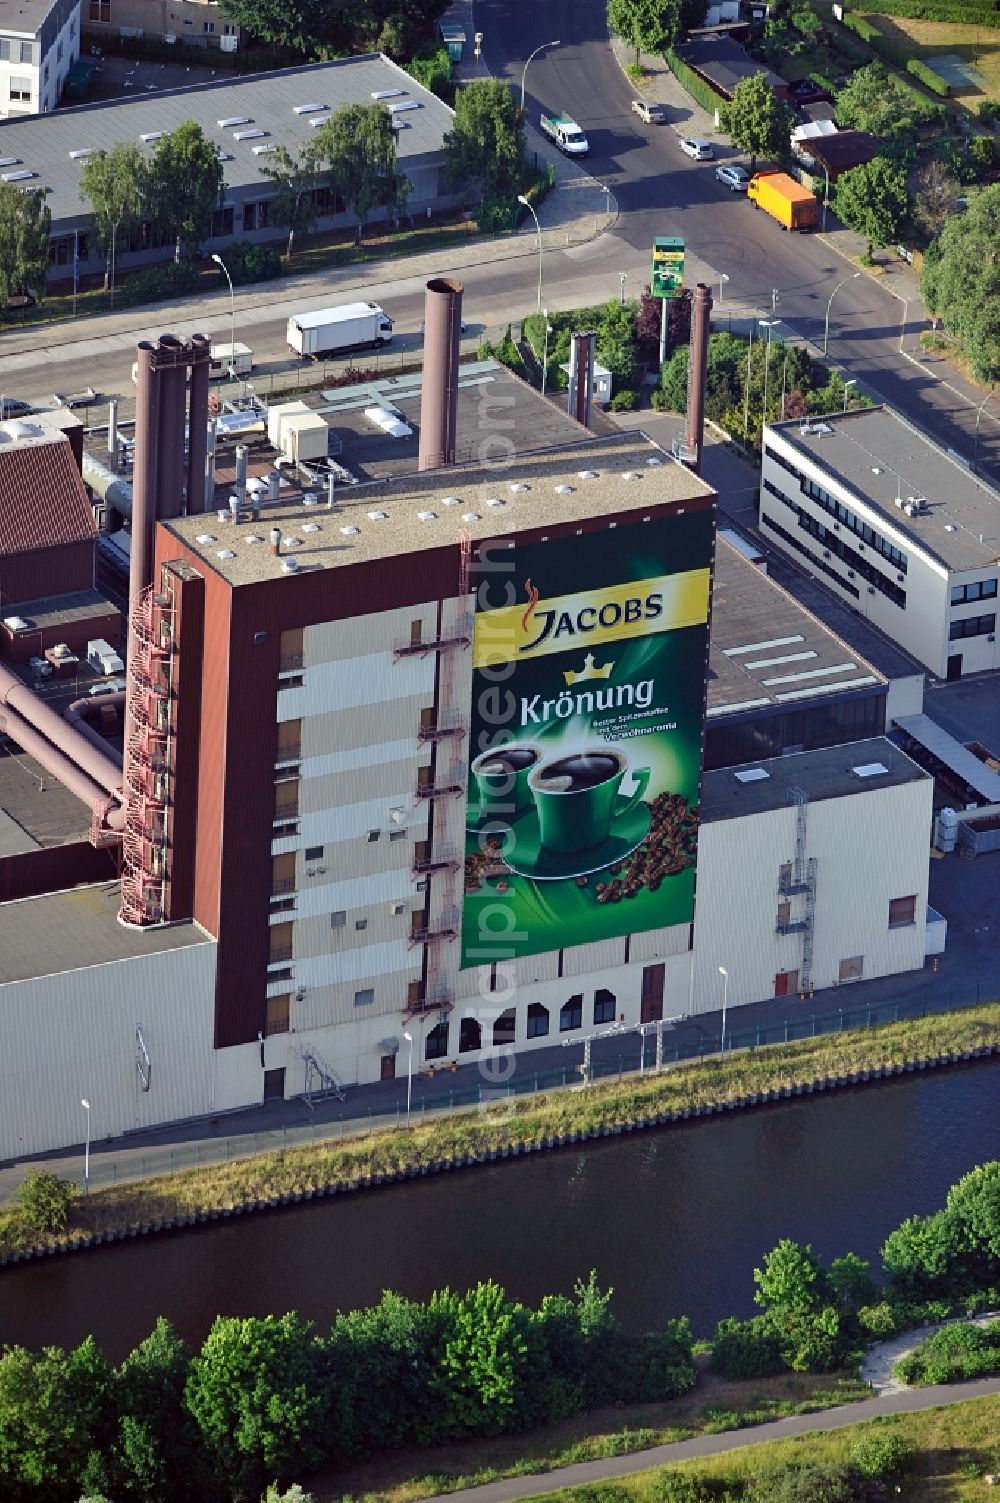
x: 39, y: 43
x: 896, y: 526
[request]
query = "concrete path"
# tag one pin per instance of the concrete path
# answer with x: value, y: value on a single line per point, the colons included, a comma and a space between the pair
x: 881, y: 1358
x: 911, y: 1401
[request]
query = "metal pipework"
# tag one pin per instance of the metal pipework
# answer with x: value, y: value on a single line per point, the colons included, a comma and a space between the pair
x: 439, y: 389
x: 240, y: 484
x: 40, y: 717
x: 172, y: 358
x: 198, y: 496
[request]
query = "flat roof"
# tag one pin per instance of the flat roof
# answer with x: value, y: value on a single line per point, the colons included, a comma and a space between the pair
x: 62, y: 610
x: 23, y: 16
x: 264, y: 101
x: 69, y: 931
x: 878, y: 455
x: 768, y: 650
x: 591, y: 478
x: 35, y: 803
x: 965, y: 765
x: 828, y: 773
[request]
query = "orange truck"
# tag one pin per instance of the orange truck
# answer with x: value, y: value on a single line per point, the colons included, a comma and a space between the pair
x: 793, y: 206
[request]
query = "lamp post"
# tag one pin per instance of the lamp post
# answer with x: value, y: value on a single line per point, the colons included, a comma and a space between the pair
x: 545, y: 348
x: 622, y: 279
x: 768, y: 324
x: 826, y: 322
x: 409, y: 1075
x: 847, y: 389
x: 232, y: 314
x: 524, y: 74
x: 723, y: 279
x: 979, y: 414
x: 538, y: 230
x: 86, y: 1152
x: 725, y: 998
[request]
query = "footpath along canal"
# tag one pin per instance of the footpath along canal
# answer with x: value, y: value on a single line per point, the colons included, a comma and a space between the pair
x: 674, y: 1219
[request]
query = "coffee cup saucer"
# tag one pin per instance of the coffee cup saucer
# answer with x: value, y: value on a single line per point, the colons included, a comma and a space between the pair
x: 524, y: 853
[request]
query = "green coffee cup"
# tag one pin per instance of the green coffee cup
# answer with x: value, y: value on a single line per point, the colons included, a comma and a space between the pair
x: 502, y: 778
x: 576, y: 796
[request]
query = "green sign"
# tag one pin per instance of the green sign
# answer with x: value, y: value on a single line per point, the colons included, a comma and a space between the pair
x: 667, y: 277
x: 588, y: 691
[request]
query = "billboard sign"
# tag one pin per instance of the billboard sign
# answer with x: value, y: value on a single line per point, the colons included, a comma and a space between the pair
x: 588, y: 689
x: 667, y: 276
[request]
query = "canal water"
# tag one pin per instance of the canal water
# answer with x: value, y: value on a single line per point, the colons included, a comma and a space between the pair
x: 674, y: 1219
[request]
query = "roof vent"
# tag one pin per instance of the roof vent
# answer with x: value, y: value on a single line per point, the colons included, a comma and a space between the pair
x: 81, y: 153
x: 9, y: 161
x: 378, y: 516
x: 15, y: 623
x: 262, y: 151
x: 451, y: 501
x: 293, y: 542
x: 564, y: 490
x: 387, y: 93
x: 632, y: 475
x: 751, y: 775
x: 471, y: 516
x: 308, y: 109
x: 427, y: 516
x: 253, y: 538
x: 318, y: 120
x: 223, y: 156
x: 586, y: 474
x: 207, y: 537
x: 517, y: 486
x: 403, y: 104
x: 289, y: 566
x: 310, y: 499
x: 870, y: 770
x: 950, y: 527
x: 226, y: 553
x: 653, y: 461
x: 899, y: 502
x: 253, y: 134
x: 822, y: 428
x: 350, y: 532
x: 18, y: 177
x: 147, y: 136
x: 496, y: 501
x: 232, y: 120
x: 876, y: 469
x: 310, y: 527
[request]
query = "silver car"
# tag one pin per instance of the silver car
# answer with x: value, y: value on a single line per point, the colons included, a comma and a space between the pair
x: 736, y: 179
x: 694, y: 146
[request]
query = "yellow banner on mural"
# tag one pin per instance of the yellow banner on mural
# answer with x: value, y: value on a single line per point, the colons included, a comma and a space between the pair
x: 562, y: 623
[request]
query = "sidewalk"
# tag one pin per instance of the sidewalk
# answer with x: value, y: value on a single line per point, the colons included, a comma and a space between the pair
x: 881, y: 1358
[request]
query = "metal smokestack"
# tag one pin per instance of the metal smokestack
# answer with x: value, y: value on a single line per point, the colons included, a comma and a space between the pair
x: 273, y: 486
x: 145, y: 472
x: 331, y: 490
x: 172, y: 355
x: 581, y: 377
x: 198, y: 498
x: 439, y: 392
x: 701, y: 323
x: 242, y: 455
x: 209, y: 481
x: 113, y: 429
x: 275, y: 539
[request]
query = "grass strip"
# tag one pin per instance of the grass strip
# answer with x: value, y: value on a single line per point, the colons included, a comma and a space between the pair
x: 534, y: 1120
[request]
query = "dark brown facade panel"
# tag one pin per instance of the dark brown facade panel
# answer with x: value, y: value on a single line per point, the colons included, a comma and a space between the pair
x: 188, y: 590
x: 44, y: 572
x: 53, y: 869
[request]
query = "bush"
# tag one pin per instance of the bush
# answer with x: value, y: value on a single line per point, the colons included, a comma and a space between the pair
x: 878, y: 1320
x: 746, y: 1348
x: 701, y: 92
x: 862, y: 28
x: 988, y: 110
x: 624, y: 401
x: 44, y: 1200
x: 881, y: 1455
x: 678, y: 1487
x: 932, y: 10
x: 984, y: 153
x: 928, y: 77
x: 157, y: 283
x: 811, y: 1482
x: 246, y: 262
x: 431, y: 66
x: 958, y: 1351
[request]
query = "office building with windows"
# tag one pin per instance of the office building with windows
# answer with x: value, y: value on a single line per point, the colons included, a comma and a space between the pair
x: 895, y: 526
x: 39, y: 43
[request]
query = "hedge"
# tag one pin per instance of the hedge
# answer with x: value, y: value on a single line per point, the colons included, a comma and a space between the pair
x: 928, y: 10
x: 928, y: 77
x: 865, y: 30
x: 701, y: 92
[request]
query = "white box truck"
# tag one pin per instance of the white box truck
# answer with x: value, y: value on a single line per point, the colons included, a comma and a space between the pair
x: 330, y: 330
x: 102, y: 657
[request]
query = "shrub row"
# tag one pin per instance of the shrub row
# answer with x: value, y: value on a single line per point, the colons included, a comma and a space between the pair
x: 929, y: 10
x: 158, y: 282
x: 699, y: 90
x: 928, y: 77
x: 957, y: 1352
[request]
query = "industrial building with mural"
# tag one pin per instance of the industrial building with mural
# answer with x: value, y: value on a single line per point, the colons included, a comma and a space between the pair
x: 316, y: 738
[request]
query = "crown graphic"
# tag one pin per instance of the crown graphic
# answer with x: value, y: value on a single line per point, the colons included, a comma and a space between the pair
x: 588, y: 671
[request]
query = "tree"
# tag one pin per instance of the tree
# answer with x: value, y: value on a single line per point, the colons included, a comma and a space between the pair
x: 357, y: 146
x: 851, y: 1281
x: 45, y: 1200
x: 485, y: 148
x: 792, y: 1279
x: 186, y: 181
x: 54, y: 1413
x: 645, y: 25
x: 919, y: 1257
x: 480, y: 1359
x: 615, y: 342
x: 756, y: 120
x: 257, y: 1396
x: 876, y: 101
x: 872, y: 200
x: 25, y: 220
x: 303, y: 26
x: 115, y: 183
x: 961, y: 281
x: 295, y: 201
x: 157, y: 1454
x: 973, y: 1205
x: 934, y: 200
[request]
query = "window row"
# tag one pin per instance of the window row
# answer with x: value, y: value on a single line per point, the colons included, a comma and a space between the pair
x: 979, y: 589
x: 800, y: 547
x: 831, y: 541
x: 972, y: 626
x: 14, y: 51
x: 474, y: 1035
x: 843, y: 514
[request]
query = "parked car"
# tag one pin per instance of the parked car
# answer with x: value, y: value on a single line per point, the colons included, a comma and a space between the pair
x: 648, y: 112
x: 108, y: 686
x: 12, y: 407
x: 702, y: 151
x: 40, y: 667
x: 735, y: 178
x: 806, y: 91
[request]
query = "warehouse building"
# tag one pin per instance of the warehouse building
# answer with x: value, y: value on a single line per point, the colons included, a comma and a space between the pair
x: 39, y: 44
x: 894, y: 525
x: 246, y: 118
x: 324, y: 849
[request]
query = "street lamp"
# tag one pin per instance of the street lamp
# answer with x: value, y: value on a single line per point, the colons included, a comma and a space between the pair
x: 979, y: 414
x: 833, y: 294
x: 409, y: 1075
x: 847, y: 386
x: 86, y: 1152
x: 622, y: 279
x: 232, y: 315
x: 768, y: 324
x: 545, y: 348
x: 538, y: 229
x: 725, y: 998
x: 723, y: 278
x: 524, y: 74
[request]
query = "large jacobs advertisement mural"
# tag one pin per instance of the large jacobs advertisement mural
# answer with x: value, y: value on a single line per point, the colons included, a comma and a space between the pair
x: 585, y: 749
